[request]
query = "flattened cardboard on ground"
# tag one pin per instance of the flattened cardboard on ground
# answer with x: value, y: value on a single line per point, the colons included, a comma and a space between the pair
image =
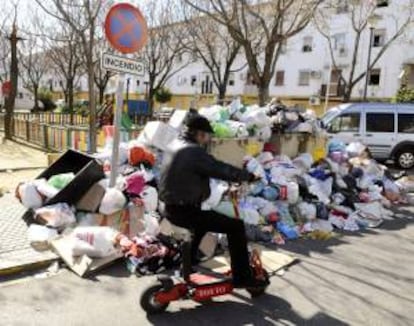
x: 81, y: 265
x: 272, y: 260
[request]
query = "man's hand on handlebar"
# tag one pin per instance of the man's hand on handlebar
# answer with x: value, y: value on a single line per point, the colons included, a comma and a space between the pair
x: 254, y: 178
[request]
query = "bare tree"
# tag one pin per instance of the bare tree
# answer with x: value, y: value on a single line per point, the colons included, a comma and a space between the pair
x: 360, y: 14
x: 13, y: 38
x: 166, y: 43
x: 4, y: 49
x: 33, y: 65
x: 261, y: 27
x: 82, y: 17
x: 101, y: 76
x: 213, y: 44
x: 63, y: 52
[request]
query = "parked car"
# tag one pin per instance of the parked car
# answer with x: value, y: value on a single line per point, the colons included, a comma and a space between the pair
x: 387, y: 129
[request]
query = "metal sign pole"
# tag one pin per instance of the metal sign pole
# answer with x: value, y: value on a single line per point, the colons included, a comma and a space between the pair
x: 117, y: 127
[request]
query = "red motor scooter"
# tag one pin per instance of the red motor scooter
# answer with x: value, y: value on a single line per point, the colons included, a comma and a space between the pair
x: 198, y: 286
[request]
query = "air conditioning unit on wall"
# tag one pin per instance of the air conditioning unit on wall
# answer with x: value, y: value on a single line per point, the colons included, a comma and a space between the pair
x: 343, y: 51
x: 316, y: 74
x: 314, y: 100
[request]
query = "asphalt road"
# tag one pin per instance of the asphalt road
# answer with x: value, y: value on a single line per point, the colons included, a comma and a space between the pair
x: 357, y: 279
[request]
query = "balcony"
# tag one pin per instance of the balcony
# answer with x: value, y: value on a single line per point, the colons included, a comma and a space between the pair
x: 335, y: 90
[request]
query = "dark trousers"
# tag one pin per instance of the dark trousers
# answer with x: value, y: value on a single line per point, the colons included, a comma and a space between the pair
x: 200, y: 222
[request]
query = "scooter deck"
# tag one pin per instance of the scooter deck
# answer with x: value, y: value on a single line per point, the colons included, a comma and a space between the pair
x: 203, y: 279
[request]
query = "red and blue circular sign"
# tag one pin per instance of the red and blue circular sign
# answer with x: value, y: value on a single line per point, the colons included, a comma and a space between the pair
x: 126, y: 28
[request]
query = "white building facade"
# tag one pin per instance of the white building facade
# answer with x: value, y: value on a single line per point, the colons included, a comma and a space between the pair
x: 304, y: 69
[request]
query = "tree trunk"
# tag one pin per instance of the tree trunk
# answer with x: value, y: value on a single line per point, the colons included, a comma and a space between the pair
x: 14, y: 75
x: 101, y: 95
x: 222, y: 90
x: 36, y: 97
x: 70, y: 102
x: 263, y: 94
x: 347, y: 94
x: 151, y: 102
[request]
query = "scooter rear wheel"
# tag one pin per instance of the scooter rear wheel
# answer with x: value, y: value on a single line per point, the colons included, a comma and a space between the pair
x: 148, y: 301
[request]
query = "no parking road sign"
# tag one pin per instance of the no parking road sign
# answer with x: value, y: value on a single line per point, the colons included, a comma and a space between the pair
x: 125, y: 28
x: 126, y: 31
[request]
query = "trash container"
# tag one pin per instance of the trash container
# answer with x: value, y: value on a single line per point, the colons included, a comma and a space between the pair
x: 290, y: 144
x: 87, y: 172
x: 234, y: 150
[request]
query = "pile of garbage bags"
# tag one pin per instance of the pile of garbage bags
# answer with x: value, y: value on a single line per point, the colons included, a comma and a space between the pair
x: 239, y: 121
x: 346, y: 190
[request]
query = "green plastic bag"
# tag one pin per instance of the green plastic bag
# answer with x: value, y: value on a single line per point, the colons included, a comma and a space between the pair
x: 222, y: 130
x: 224, y: 114
x: 60, y: 181
x: 126, y: 122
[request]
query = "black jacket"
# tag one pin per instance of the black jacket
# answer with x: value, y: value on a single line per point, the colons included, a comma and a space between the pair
x: 185, y: 180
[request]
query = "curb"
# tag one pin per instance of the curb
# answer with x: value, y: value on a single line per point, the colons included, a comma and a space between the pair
x: 4, y: 170
x: 27, y: 267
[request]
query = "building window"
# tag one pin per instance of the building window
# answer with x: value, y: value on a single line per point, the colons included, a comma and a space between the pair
x: 193, y: 80
x: 382, y: 3
x: 307, y: 44
x: 379, y: 38
x: 374, y: 77
x: 283, y: 47
x: 250, y: 79
x: 342, y: 7
x: 231, y: 79
x: 339, y: 41
x: 380, y: 122
x: 304, y: 78
x: 138, y: 82
x: 280, y: 78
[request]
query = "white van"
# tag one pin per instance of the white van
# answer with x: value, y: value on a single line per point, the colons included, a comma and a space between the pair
x: 386, y: 128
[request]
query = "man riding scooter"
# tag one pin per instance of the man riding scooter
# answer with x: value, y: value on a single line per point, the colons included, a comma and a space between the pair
x: 185, y: 184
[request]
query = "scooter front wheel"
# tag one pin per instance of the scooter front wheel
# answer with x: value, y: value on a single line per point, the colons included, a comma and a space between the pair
x: 148, y: 301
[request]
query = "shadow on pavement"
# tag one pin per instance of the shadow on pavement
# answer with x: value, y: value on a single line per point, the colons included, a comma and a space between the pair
x: 265, y: 310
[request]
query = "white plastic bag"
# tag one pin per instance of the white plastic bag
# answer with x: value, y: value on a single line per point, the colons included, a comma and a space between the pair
x: 355, y: 149
x: 264, y: 133
x: 113, y: 201
x: 307, y: 211
x: 150, y: 198
x: 45, y: 189
x: 58, y: 215
x: 256, y: 118
x: 152, y: 226
x: 253, y: 166
x: 292, y: 192
x: 212, y: 113
x: 303, y: 162
x: 217, y: 190
x: 93, y: 241
x: 29, y: 196
x: 39, y: 236
x: 239, y: 129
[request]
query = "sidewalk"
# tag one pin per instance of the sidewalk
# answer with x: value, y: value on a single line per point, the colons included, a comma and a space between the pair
x: 17, y: 163
x: 14, y: 156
